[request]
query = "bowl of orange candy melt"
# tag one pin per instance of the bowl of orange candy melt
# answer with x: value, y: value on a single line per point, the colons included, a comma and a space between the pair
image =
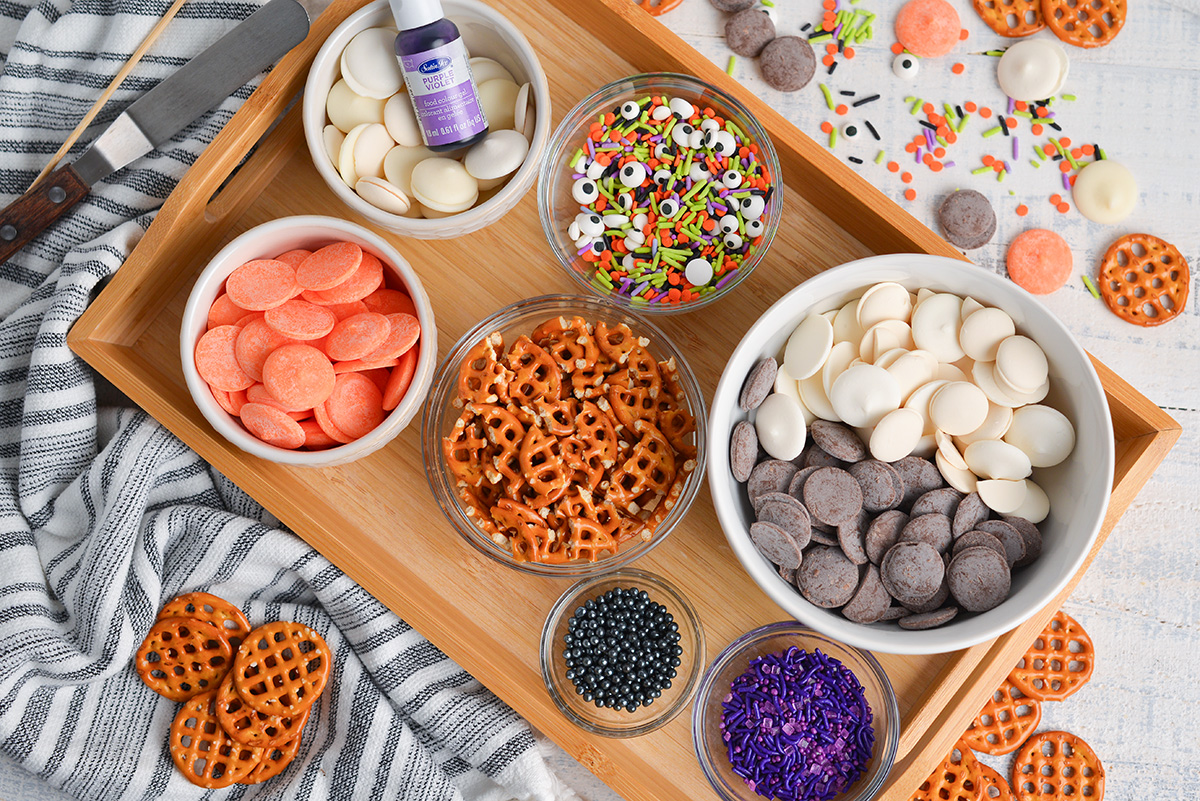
x: 308, y: 341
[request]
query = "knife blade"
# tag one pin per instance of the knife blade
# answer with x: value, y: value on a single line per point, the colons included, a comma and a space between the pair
x: 206, y: 80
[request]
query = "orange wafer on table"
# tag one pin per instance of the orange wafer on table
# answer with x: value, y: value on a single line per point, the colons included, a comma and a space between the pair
x: 355, y: 337
x: 212, y: 609
x: 957, y: 778
x: 216, y: 359
x: 1039, y: 261
x: 1058, y: 663
x: 282, y: 668
x: 365, y: 279
x: 247, y: 726
x: 1144, y: 280
x: 1056, y: 766
x: 355, y: 406
x: 275, y: 760
x: 1007, y: 718
x: 182, y: 657
x: 1084, y: 23
x: 329, y: 266
x: 272, y: 426
x: 299, y: 319
x: 262, y: 284
x: 995, y: 786
x: 205, y: 754
x: 1011, y: 18
x: 928, y: 28
x: 298, y: 376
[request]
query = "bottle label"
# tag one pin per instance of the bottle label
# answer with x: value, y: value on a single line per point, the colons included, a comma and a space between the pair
x: 443, y: 93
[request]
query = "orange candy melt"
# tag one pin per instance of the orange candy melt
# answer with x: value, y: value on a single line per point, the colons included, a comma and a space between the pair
x: 355, y: 406
x: 355, y: 337
x: 928, y: 28
x: 298, y: 376
x: 261, y: 284
x: 272, y: 426
x: 216, y: 359
x: 1039, y: 261
x: 300, y: 319
x: 365, y: 279
x: 329, y: 266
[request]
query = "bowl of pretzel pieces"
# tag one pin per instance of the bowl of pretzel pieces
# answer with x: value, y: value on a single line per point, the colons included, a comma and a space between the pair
x: 564, y: 436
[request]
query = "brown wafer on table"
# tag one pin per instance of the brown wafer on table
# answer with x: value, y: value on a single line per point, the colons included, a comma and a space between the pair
x: 1011, y: 18
x: 248, y: 727
x: 1084, y: 23
x: 1056, y: 765
x: 957, y: 778
x: 1058, y: 663
x: 274, y: 761
x: 203, y: 751
x: 1006, y: 720
x: 282, y: 668
x: 182, y: 657
x: 205, y: 606
x: 1146, y: 289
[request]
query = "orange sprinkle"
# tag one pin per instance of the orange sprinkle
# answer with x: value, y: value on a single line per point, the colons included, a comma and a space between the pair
x: 893, y: 166
x: 1063, y: 208
x: 1037, y: 129
x: 911, y: 147
x: 998, y: 166
x: 939, y: 151
x: 826, y: 127
x: 1077, y: 152
x: 1064, y: 166
x: 1012, y: 122
x: 963, y: 34
x: 828, y: 18
x: 1021, y: 105
x: 957, y: 69
x: 937, y: 119
x: 919, y: 140
x: 951, y: 137
x: 849, y: 51
x: 831, y: 48
x: 1041, y: 111
x: 1022, y: 210
x: 936, y: 166
x: 827, y: 61
x: 841, y: 109
x: 927, y: 108
x: 989, y: 160
x: 927, y: 158
x: 609, y: 118
x: 910, y: 194
x: 906, y: 177
x: 1088, y: 150
x: 829, y: 5
x: 897, y: 48
x: 943, y: 132
x: 970, y: 106
x: 1055, y: 200
x: 985, y: 112
x: 601, y: 203
x: 1065, y: 141
x: 1071, y: 180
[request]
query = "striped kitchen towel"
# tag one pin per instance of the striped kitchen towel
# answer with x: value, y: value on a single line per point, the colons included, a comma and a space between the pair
x: 104, y: 515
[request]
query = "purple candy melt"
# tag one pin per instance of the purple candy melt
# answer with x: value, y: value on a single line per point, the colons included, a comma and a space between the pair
x: 797, y: 726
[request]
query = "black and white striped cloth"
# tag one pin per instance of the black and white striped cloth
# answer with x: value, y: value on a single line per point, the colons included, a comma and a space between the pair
x: 104, y: 515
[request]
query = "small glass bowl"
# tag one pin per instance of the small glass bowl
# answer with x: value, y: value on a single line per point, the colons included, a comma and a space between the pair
x: 512, y: 321
x: 558, y: 208
x: 773, y: 638
x: 613, y: 722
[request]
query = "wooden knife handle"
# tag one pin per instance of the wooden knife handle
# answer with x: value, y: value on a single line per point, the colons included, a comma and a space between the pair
x: 34, y: 211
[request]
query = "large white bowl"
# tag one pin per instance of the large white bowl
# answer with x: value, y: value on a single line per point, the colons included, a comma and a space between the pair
x: 267, y: 241
x: 486, y: 33
x: 1078, y: 488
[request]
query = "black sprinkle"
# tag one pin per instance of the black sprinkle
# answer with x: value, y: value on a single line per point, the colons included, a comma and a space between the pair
x: 1058, y: 157
x: 856, y: 160
x: 1099, y: 152
x: 960, y: 112
x: 1003, y: 124
x: 928, y: 124
x: 865, y: 100
x: 871, y: 128
x: 770, y: 191
x: 833, y: 67
x: 845, y: 93
x: 807, y: 25
x: 1055, y: 126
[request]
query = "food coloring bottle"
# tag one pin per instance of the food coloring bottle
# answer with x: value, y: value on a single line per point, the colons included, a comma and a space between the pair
x: 433, y: 59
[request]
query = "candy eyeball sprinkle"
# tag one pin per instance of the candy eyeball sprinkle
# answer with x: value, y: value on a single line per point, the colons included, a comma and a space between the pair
x: 710, y: 137
x: 698, y: 173
x: 728, y: 224
x: 585, y: 191
x: 732, y: 241
x: 668, y: 208
x: 905, y: 65
x: 633, y: 174
x: 755, y: 228
x: 595, y: 170
x: 753, y: 207
x: 850, y: 131
x: 681, y: 135
x: 597, y: 247
x: 660, y: 113
x: 681, y: 107
x: 630, y: 110
x: 590, y: 224
x: 625, y: 201
x: 661, y: 177
x: 709, y: 124
x: 725, y: 143
x: 661, y: 150
x: 732, y: 179
x: 696, y: 139
x: 639, y: 221
x: 573, y: 231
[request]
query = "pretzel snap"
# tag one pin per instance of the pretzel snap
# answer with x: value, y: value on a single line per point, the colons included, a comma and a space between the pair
x: 1056, y: 765
x: 209, y: 608
x: 182, y: 657
x: 1011, y: 18
x: 275, y: 760
x: 1084, y: 23
x: 466, y: 449
x: 204, y: 753
x: 482, y: 378
x: 569, y: 341
x: 282, y: 668
x: 535, y: 376
x: 1007, y: 718
x: 250, y: 727
x: 1146, y: 289
x: 957, y: 778
x: 1058, y: 663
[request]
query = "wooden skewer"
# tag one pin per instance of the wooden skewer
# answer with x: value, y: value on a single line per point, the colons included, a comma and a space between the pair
x: 111, y: 88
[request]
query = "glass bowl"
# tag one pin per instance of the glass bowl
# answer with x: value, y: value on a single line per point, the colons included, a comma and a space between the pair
x: 613, y: 722
x: 775, y: 637
x: 512, y: 321
x: 557, y: 207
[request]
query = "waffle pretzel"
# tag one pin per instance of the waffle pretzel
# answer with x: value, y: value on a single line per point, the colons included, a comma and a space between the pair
x: 1158, y: 279
x: 505, y: 432
x: 1011, y: 18
x: 466, y: 449
x: 543, y: 467
x: 1084, y: 23
x: 668, y: 501
x: 1045, y: 671
x: 658, y: 7
x: 1057, y: 765
x: 993, y: 780
x: 204, y: 606
x: 1006, y: 720
x: 955, y: 779
x: 570, y: 342
x: 630, y: 404
x: 616, y: 342
x: 249, y: 727
x: 182, y: 657
x: 275, y: 760
x: 204, y: 753
x: 482, y: 378
x: 558, y: 417
x: 588, y: 539
x: 535, y: 376
x: 529, y: 537
x: 282, y: 668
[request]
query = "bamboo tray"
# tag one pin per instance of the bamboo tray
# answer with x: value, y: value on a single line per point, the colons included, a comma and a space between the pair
x: 375, y: 518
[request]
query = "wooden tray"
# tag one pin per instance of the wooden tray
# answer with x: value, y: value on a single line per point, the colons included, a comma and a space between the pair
x: 376, y: 519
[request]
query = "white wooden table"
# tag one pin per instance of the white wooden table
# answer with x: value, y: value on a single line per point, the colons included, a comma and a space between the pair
x: 1138, y: 99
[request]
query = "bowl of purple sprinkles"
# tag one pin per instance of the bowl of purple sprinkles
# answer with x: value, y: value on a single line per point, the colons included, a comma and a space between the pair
x: 786, y: 713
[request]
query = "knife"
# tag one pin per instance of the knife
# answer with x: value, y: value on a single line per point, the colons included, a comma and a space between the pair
x: 154, y: 118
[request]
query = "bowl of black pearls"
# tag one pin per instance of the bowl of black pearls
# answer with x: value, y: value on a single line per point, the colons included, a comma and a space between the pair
x: 621, y: 653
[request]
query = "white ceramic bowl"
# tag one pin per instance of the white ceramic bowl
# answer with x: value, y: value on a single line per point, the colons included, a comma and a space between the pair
x: 486, y: 33
x: 267, y: 241
x: 1078, y: 488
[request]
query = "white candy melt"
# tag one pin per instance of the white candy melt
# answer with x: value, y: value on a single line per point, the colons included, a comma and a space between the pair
x: 919, y: 400
x: 863, y: 394
x: 779, y: 423
x: 815, y: 398
x: 962, y: 480
x: 1036, y: 505
x: 886, y: 301
x: 1045, y: 435
x: 401, y: 121
x: 369, y: 64
x: 498, y: 155
x: 840, y: 357
x: 998, y: 419
x: 982, y: 333
x: 896, y: 435
x: 444, y: 185
x: 370, y: 150
x: 808, y: 347
x: 935, y: 324
x: 845, y: 324
x: 498, y: 98
x: 947, y: 448
x: 382, y: 195
x: 959, y: 407
x: 911, y: 370
x: 1002, y: 496
x: 790, y: 387
x: 993, y: 458
x: 347, y: 109
x: 1021, y: 364
x: 399, y: 163
x: 485, y: 69
x: 969, y: 307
